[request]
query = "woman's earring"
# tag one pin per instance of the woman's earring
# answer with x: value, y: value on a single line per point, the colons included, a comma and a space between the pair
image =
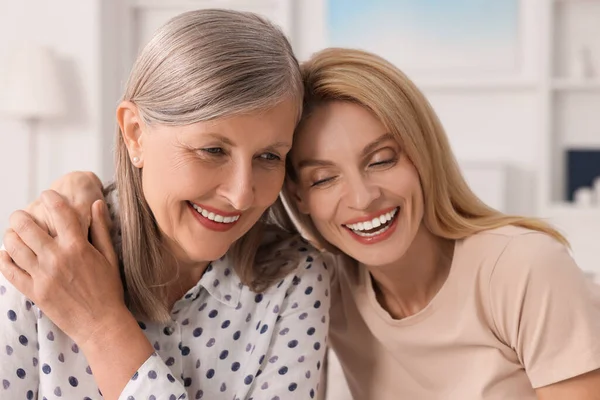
x: 136, y: 160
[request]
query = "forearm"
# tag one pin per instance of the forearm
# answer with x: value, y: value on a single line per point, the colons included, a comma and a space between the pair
x: 116, y: 353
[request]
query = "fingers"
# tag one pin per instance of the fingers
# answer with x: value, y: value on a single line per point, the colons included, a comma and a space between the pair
x: 20, y: 254
x: 80, y: 190
x: 61, y: 215
x: 34, y: 237
x: 15, y: 275
x: 100, y: 231
x: 37, y: 211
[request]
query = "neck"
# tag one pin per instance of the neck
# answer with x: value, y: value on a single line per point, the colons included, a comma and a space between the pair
x: 185, y: 276
x: 408, y: 285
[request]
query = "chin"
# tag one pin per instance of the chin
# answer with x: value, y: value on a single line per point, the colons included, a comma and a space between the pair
x: 374, y: 260
x: 374, y: 255
x: 203, y: 253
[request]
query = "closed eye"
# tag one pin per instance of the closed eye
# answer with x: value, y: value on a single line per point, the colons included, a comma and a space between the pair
x: 383, y: 163
x: 322, y: 182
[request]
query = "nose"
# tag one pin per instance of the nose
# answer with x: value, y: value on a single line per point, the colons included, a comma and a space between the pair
x: 238, y: 186
x: 361, y: 192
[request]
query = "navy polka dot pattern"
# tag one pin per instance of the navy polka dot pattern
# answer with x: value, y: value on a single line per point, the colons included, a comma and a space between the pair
x: 224, y: 342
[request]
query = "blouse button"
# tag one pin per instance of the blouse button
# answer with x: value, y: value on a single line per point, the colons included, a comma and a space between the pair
x: 168, y: 330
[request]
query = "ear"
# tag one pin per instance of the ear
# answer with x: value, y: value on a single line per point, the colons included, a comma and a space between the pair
x: 296, y: 196
x: 131, y: 124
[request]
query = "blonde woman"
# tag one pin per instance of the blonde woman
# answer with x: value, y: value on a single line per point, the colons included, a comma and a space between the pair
x: 434, y: 294
x: 216, y: 301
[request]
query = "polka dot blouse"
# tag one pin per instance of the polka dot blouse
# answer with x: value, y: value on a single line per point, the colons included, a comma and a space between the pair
x: 223, y: 342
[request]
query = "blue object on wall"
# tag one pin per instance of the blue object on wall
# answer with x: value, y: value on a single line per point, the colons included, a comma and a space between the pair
x: 583, y: 166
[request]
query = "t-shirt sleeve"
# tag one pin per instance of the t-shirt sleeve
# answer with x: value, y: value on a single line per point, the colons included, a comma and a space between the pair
x: 545, y: 309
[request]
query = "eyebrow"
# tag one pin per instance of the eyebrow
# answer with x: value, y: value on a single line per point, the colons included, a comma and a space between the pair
x: 365, y: 151
x: 376, y: 143
x: 229, y: 142
x: 222, y: 139
x: 277, y: 145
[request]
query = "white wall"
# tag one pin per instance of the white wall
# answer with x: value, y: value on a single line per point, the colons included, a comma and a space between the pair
x: 486, y: 121
x: 498, y: 124
x: 499, y: 128
x: 71, y: 29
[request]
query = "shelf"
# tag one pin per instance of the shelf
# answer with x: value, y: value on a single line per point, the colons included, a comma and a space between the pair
x: 570, y: 210
x: 581, y: 143
x: 577, y: 84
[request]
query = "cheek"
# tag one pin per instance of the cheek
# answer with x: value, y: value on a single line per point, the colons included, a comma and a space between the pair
x: 404, y: 181
x: 267, y: 186
x: 170, y: 178
x: 322, y: 205
x: 414, y: 189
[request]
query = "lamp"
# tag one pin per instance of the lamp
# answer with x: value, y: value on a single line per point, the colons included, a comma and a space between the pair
x: 32, y: 92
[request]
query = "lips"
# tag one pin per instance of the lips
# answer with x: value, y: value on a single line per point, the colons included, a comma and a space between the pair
x: 214, y: 215
x: 213, y: 219
x: 374, y: 228
x: 371, y: 224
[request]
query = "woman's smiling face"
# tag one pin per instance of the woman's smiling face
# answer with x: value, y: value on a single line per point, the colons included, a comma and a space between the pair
x: 208, y: 183
x: 360, y: 189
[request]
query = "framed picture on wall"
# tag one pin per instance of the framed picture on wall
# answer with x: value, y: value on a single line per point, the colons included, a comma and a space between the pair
x: 429, y: 37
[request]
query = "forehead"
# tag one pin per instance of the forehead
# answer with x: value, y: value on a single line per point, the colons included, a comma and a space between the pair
x: 275, y: 124
x: 336, y: 125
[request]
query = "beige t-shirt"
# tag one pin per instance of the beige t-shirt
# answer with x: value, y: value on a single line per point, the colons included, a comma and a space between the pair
x: 515, y: 313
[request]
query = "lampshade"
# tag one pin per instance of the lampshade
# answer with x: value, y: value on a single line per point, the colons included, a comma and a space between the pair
x: 31, y: 86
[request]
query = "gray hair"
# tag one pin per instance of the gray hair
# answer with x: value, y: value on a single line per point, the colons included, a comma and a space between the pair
x: 201, y: 65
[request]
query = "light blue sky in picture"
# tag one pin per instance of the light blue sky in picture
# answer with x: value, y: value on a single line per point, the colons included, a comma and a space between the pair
x: 461, y: 32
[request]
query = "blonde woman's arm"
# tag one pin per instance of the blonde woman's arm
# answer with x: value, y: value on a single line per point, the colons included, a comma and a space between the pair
x: 80, y: 189
x: 78, y: 287
x: 549, y: 312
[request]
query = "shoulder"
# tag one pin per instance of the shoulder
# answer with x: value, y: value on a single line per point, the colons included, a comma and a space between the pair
x: 16, y: 308
x: 527, y: 251
x: 510, y: 245
x: 523, y: 258
x: 290, y: 249
x: 504, y: 258
x: 307, y: 266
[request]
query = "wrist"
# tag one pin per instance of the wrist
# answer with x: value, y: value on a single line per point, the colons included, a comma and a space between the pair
x: 115, y: 350
x: 116, y: 327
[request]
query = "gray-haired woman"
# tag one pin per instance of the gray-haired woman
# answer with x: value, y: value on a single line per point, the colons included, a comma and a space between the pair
x: 214, y: 301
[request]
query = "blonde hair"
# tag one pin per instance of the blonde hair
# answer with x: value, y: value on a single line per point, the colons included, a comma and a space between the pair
x: 200, y: 66
x: 452, y: 210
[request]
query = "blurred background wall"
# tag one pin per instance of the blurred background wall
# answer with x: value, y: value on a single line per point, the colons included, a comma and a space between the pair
x: 516, y: 84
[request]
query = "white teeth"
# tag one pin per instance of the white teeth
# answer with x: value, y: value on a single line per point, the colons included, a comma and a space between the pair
x: 379, y: 232
x: 215, y: 217
x: 374, y: 223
